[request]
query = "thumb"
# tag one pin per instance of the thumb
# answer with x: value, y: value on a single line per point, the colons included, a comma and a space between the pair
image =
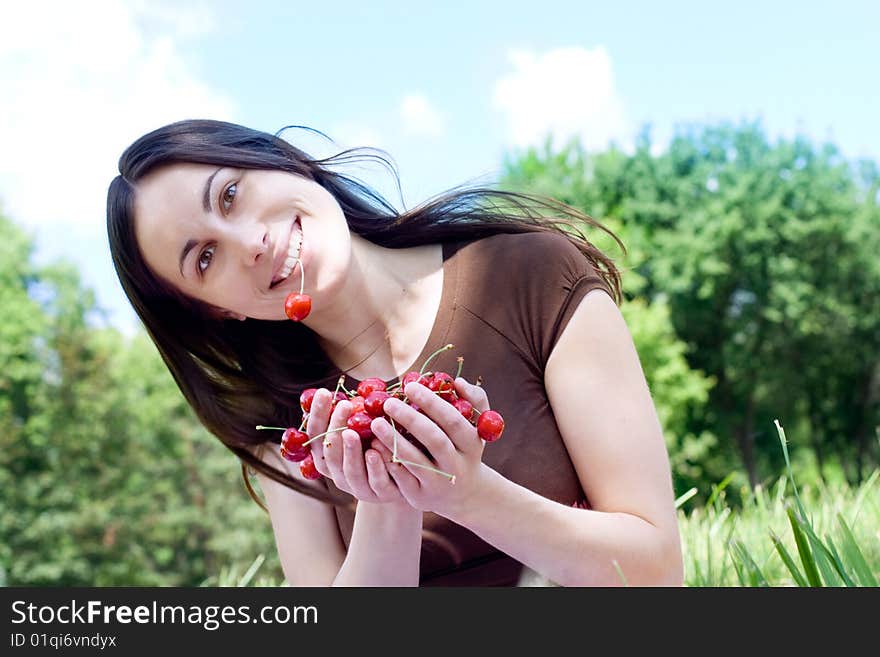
x: 474, y: 394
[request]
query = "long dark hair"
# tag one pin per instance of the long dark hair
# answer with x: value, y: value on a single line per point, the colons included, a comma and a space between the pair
x: 236, y: 375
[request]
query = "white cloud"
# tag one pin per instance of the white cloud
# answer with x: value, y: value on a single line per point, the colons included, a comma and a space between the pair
x: 567, y: 92
x: 81, y: 82
x: 354, y: 135
x: 420, y: 118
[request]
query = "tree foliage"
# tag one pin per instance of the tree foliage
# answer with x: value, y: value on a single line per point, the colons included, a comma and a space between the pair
x: 764, y: 255
x: 107, y: 478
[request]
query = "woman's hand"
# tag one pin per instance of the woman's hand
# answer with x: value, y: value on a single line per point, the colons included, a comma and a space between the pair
x: 452, y: 441
x: 340, y: 456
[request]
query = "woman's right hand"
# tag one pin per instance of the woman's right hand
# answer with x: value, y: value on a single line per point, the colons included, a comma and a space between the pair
x: 340, y: 456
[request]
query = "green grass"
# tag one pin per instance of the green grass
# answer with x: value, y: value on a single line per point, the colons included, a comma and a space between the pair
x: 785, y: 535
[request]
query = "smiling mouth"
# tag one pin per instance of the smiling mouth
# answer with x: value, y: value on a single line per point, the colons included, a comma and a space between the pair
x: 293, y: 252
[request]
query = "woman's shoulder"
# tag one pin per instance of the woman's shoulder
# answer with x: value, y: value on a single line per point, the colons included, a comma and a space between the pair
x: 534, y: 256
x: 530, y: 244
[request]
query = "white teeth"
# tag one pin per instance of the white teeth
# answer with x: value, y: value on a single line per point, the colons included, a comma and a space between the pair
x: 292, y: 256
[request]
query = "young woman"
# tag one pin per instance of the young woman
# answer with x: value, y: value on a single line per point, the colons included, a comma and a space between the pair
x: 212, y: 225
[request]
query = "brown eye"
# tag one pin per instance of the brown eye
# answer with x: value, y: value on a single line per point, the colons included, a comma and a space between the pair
x: 228, y: 196
x: 205, y: 258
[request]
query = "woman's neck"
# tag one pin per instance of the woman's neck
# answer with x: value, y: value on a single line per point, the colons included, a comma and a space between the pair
x: 380, y: 319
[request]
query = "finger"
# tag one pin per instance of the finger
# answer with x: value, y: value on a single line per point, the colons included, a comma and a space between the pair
x: 380, y: 480
x: 384, y: 452
x: 319, y: 418
x: 332, y: 442
x: 476, y: 395
x: 424, y: 428
x: 353, y: 466
x: 407, y: 483
x: 453, y: 426
x: 392, y: 439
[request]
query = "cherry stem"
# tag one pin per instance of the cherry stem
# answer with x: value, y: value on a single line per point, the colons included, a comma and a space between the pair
x: 451, y: 477
x: 302, y: 424
x: 260, y: 427
x: 302, y: 271
x: 314, y: 438
x: 418, y: 465
x: 341, y: 384
x: 432, y: 356
x: 460, y: 363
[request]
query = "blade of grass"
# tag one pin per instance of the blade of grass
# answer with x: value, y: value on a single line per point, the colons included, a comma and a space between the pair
x: 685, y: 497
x: 784, y: 442
x: 780, y: 489
x: 854, y: 554
x: 246, y: 578
x: 799, y: 578
x: 825, y: 562
x: 718, y: 488
x: 725, y: 562
x: 739, y: 571
x: 803, y: 548
x: 838, y: 562
x: 756, y: 577
x: 863, y: 493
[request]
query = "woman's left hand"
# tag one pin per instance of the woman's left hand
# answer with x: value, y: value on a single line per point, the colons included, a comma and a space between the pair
x: 452, y: 441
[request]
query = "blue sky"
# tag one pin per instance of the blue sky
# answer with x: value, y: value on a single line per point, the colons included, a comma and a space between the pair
x: 445, y: 88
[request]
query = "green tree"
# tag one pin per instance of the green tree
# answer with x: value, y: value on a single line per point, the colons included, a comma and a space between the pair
x: 763, y: 253
x: 106, y: 476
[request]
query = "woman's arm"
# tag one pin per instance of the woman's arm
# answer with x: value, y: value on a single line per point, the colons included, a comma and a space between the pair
x: 604, y: 411
x: 385, y: 544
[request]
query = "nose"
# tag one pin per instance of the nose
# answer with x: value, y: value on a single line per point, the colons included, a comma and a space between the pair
x: 253, y: 240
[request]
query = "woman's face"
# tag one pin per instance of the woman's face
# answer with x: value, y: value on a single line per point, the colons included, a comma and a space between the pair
x: 225, y: 236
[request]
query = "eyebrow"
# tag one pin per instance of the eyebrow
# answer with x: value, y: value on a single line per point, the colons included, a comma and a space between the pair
x: 190, y: 244
x: 206, y: 197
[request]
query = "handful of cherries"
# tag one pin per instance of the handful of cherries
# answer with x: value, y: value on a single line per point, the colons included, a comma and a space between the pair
x: 368, y: 402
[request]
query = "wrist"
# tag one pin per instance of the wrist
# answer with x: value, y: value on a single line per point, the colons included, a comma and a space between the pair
x: 390, y: 512
x: 481, y: 494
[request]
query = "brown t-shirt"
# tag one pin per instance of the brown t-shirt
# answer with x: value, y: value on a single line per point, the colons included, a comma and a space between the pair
x: 505, y: 301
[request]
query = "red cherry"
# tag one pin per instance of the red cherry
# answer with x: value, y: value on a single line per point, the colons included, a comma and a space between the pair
x: 297, y: 306
x: 490, y: 425
x: 296, y: 455
x: 360, y: 423
x: 444, y: 385
x: 464, y: 407
x: 293, y: 439
x: 374, y: 404
x: 338, y: 397
x: 308, y: 469
x: 371, y: 384
x: 409, y: 377
x: 357, y: 404
x: 305, y: 399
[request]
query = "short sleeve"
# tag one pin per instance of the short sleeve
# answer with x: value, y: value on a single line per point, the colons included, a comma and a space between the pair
x: 526, y: 287
x: 568, y: 277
